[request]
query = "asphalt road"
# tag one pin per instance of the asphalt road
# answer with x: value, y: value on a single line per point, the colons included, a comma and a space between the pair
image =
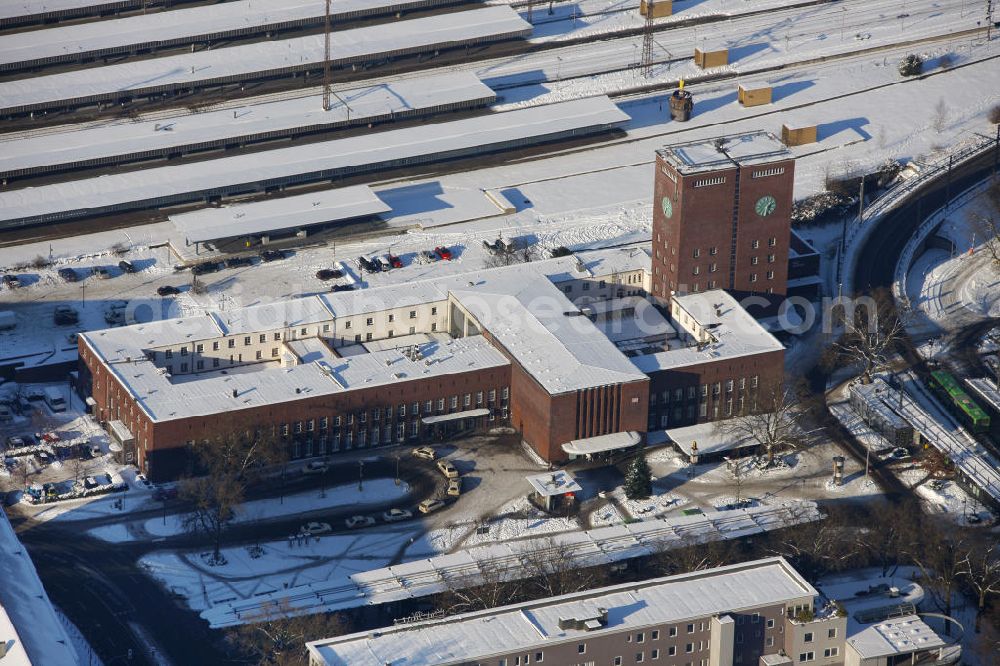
x: 100, y: 588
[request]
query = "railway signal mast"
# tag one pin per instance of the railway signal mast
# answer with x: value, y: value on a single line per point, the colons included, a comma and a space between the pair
x: 646, y: 63
x: 328, y: 92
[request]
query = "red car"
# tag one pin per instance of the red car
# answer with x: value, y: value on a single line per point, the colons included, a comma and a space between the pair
x: 443, y: 252
x: 395, y: 261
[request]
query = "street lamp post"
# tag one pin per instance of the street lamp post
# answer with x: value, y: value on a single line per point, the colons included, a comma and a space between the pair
x: 361, y: 473
x: 397, y: 470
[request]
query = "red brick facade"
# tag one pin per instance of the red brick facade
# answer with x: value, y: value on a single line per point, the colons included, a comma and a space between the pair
x: 712, y: 391
x: 721, y: 231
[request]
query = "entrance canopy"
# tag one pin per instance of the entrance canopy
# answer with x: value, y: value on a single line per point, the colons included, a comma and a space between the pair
x: 120, y: 432
x: 601, y: 443
x: 469, y: 414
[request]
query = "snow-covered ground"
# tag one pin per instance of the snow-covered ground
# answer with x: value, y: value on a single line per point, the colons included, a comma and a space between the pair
x: 376, y: 491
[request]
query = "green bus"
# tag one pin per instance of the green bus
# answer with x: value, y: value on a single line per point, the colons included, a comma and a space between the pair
x: 958, y: 401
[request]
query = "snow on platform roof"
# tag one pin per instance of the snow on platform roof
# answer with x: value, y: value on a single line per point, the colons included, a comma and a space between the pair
x: 483, y: 634
x: 157, y: 28
x: 13, y: 8
x: 544, y: 331
x: 725, y: 152
x: 279, y: 214
x: 237, y: 63
x: 731, y: 332
x: 328, y: 157
x: 900, y: 636
x: 551, y: 484
x: 71, y: 145
x: 27, y: 617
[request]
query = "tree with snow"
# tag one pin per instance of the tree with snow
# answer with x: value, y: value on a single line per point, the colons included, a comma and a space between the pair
x: 911, y: 65
x: 638, y: 479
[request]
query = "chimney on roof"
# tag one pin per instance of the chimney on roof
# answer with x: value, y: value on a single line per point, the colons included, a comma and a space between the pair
x: 235, y: 393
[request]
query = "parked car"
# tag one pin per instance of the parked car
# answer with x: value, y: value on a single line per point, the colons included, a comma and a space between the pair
x: 365, y: 264
x: 272, y: 255
x: 342, y: 287
x: 142, y: 481
x: 163, y: 494
x: 126, y: 266
x: 100, y: 272
x: 207, y: 267
x: 447, y: 469
x: 359, y: 521
x: 386, y: 261
x: 394, y: 515
x: 167, y: 290
x: 237, y: 262
x: 313, y: 529
x: 315, y: 467
x: 428, y: 257
x: 90, y: 482
x: 328, y: 274
x: 378, y: 265
x: 68, y: 274
x: 6, y: 414
x: 11, y: 281
x: 15, y: 442
x: 443, y: 252
x: 430, y: 505
x: 64, y: 315
x: 425, y: 452
x: 43, y: 457
x: 395, y: 261
x: 455, y: 487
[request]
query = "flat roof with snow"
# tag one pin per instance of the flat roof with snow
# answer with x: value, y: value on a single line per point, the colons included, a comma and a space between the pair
x: 729, y: 332
x: 17, y: 8
x: 711, y: 437
x: 498, y: 631
x: 177, y: 26
x: 725, y: 152
x: 614, y: 441
x: 273, y: 215
x: 251, y: 61
x: 72, y: 146
x: 900, y: 636
x: 328, y: 159
x: 552, y: 484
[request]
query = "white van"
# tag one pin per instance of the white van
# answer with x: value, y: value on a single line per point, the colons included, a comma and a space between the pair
x: 54, y: 399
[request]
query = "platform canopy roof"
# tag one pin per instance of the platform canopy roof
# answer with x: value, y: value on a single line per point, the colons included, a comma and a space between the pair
x: 274, y: 215
x: 602, y: 443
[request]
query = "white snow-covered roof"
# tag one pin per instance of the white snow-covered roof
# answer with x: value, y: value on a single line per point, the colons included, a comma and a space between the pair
x: 229, y: 17
x: 551, y: 484
x: 725, y: 152
x: 729, y: 329
x: 611, y: 442
x: 711, y: 437
x: 357, y: 44
x: 900, y: 636
x: 12, y: 8
x: 986, y: 388
x: 279, y: 214
x: 27, y: 618
x: 532, y: 319
x: 498, y: 631
x: 378, y: 148
x: 165, y: 398
x: 71, y: 144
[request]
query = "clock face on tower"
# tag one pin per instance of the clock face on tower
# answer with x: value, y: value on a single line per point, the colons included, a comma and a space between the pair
x: 765, y: 205
x: 668, y: 208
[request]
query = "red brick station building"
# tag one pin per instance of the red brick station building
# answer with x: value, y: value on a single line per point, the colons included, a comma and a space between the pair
x: 581, y: 354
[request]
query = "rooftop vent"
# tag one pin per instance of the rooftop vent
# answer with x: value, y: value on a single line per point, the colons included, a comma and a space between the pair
x: 236, y: 393
x: 586, y: 623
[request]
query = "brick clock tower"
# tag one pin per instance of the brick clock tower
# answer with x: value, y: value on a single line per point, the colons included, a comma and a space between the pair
x: 722, y: 216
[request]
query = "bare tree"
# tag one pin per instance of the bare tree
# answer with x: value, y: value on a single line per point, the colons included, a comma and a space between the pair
x: 511, y: 252
x: 275, y: 637
x: 815, y: 550
x: 550, y: 570
x: 887, y: 537
x: 981, y: 570
x: 226, y: 465
x: 493, y: 587
x: 670, y: 560
x: 941, y: 560
x: 773, y: 423
x: 871, y: 335
x: 940, y: 120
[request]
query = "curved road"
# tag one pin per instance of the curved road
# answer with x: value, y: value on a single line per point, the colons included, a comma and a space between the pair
x: 99, y: 586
